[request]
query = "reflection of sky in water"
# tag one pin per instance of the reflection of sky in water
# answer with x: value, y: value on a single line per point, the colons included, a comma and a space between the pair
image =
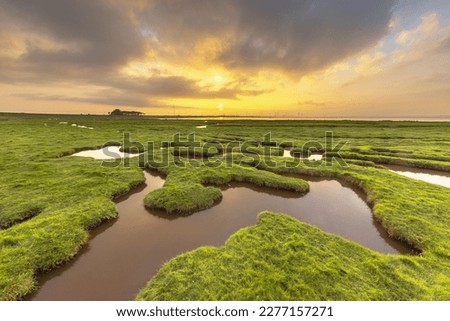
x: 110, y: 152
x: 132, y: 248
x: 313, y: 157
x: 328, y: 205
x: 429, y: 178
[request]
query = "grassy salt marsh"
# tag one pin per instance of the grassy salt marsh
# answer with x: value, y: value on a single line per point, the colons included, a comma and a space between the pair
x: 49, y: 202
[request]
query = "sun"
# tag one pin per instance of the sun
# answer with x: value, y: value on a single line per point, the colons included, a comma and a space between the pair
x: 218, y: 78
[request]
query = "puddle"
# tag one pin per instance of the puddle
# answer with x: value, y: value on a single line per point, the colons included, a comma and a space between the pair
x: 287, y: 153
x: 75, y: 125
x: 124, y: 254
x: 109, y: 152
x: 429, y: 176
x: 312, y: 157
x: 315, y: 157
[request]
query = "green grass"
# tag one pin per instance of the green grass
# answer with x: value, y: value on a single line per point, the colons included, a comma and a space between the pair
x: 49, y: 202
x: 284, y: 259
x: 70, y: 196
x: 184, y: 191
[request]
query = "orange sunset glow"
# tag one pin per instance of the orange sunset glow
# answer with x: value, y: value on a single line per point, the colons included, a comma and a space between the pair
x: 320, y: 58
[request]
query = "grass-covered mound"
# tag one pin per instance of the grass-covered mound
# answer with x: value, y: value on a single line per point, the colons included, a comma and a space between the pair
x: 184, y: 191
x: 74, y: 196
x: 282, y: 258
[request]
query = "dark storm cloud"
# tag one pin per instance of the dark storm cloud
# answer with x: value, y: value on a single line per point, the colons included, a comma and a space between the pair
x: 106, y: 98
x: 294, y: 35
x: 101, y: 30
x: 176, y: 87
x: 103, y: 98
x: 96, y: 38
x: 141, y: 93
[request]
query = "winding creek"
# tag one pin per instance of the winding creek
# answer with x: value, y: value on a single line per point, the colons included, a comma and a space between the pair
x: 122, y: 255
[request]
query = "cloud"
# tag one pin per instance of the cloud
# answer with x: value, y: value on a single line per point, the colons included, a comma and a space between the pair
x: 142, y: 93
x: 309, y: 103
x: 113, y: 99
x: 176, y: 87
x: 429, y: 25
x: 300, y: 36
x: 427, y: 44
x: 93, y: 33
x: 409, y: 79
x: 89, y: 43
x: 70, y: 41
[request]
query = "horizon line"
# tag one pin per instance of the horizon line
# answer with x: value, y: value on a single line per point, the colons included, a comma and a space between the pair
x: 275, y: 117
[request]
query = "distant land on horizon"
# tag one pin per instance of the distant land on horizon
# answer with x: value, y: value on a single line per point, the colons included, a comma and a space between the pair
x: 445, y: 118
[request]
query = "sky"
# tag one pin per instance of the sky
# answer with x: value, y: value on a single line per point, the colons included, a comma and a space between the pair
x: 296, y: 58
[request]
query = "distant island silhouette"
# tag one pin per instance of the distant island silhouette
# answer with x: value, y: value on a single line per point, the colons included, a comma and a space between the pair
x: 118, y: 112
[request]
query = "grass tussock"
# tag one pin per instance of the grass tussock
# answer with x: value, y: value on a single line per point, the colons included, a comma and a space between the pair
x: 185, y: 190
x: 284, y: 259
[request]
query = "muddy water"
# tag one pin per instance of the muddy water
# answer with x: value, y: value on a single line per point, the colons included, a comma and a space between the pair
x: 429, y: 176
x: 123, y: 255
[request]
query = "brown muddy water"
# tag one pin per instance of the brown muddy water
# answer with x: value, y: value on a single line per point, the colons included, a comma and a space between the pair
x: 124, y: 254
x: 426, y: 175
